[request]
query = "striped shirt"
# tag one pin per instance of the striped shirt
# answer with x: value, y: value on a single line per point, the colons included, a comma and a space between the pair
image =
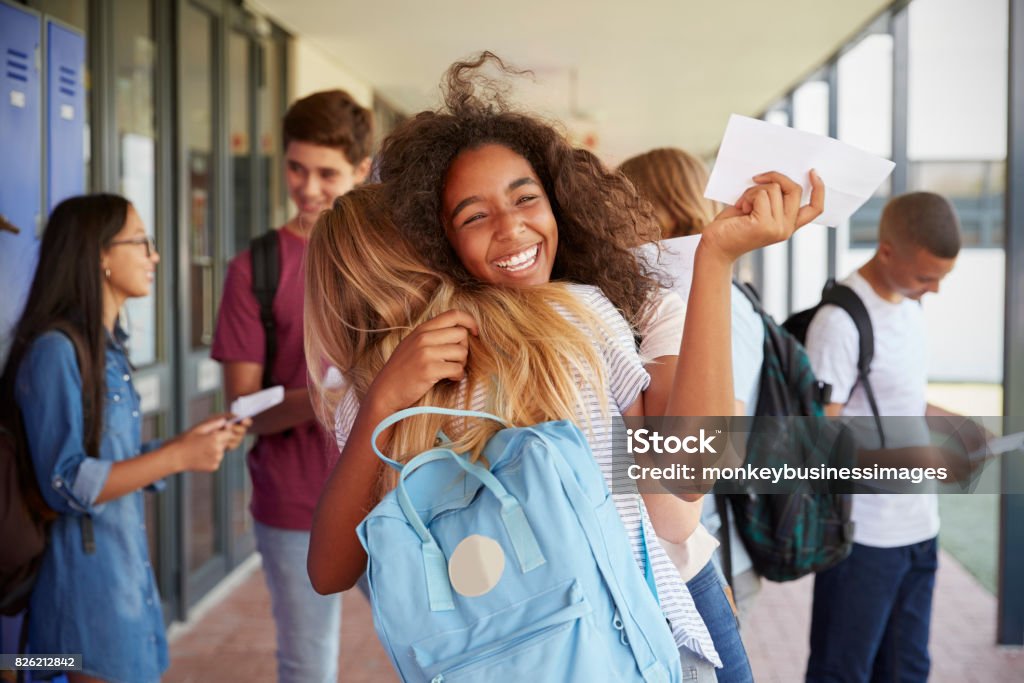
x: 625, y: 380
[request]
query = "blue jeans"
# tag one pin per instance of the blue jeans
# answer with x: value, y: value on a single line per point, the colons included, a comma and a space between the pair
x: 308, y: 624
x: 710, y: 599
x: 871, y: 616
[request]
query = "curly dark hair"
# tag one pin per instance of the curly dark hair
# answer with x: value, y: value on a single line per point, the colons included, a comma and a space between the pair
x: 599, y: 214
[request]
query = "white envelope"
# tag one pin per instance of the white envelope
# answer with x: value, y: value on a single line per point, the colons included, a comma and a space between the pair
x: 254, y: 404
x: 751, y: 147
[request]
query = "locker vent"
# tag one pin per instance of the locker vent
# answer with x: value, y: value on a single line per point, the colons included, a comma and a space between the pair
x: 68, y: 84
x: 17, y: 65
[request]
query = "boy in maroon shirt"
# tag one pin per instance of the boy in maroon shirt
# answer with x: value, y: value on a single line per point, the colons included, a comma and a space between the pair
x: 327, y: 139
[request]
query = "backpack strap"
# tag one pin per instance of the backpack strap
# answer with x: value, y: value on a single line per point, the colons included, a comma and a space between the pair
x: 752, y: 294
x: 722, y: 506
x: 395, y: 418
x: 524, y: 541
x: 649, y: 578
x: 85, y: 520
x: 847, y: 299
x: 652, y: 670
x: 520, y: 533
x: 773, y: 344
x: 266, y: 274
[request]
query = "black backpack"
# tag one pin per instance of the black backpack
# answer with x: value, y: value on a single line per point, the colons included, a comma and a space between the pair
x: 808, y: 529
x: 25, y: 517
x: 266, y: 274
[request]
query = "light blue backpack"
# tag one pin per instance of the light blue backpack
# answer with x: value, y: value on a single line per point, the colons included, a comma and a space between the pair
x: 520, y: 572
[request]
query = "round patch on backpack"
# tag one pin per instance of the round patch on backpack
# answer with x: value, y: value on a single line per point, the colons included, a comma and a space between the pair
x: 476, y: 565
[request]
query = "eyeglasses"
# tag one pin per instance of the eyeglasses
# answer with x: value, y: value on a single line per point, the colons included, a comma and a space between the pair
x: 147, y: 241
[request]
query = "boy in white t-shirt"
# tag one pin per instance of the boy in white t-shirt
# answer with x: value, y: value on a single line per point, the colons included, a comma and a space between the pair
x: 872, y: 611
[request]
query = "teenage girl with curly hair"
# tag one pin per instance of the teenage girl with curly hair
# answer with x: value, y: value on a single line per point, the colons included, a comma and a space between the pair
x: 488, y: 194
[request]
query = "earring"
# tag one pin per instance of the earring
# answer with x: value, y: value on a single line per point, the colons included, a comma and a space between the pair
x: 106, y: 273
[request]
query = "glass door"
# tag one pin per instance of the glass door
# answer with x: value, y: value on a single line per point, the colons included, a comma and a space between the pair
x: 134, y: 161
x: 254, y: 89
x: 245, y: 223
x: 200, y: 220
x: 229, y: 186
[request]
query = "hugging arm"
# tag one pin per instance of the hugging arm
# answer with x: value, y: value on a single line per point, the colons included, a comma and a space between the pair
x: 435, y: 350
x: 336, y: 557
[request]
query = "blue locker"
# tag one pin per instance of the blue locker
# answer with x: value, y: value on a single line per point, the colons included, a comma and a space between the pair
x: 65, y: 113
x: 21, y: 154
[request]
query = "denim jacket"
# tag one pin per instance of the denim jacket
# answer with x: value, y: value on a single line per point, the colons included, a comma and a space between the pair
x: 103, y: 605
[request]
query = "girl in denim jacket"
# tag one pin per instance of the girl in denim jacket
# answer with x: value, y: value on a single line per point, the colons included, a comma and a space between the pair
x: 69, y: 376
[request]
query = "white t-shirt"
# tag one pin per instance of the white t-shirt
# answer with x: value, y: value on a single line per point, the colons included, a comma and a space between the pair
x: 663, y: 333
x: 626, y: 379
x: 663, y: 330
x: 898, y: 376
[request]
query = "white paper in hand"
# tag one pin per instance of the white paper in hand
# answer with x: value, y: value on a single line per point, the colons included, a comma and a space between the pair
x: 751, y: 147
x: 1000, y: 446
x: 254, y: 404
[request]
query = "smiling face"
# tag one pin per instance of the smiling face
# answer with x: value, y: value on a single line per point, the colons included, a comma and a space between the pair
x: 316, y: 175
x: 498, y: 218
x: 131, y: 269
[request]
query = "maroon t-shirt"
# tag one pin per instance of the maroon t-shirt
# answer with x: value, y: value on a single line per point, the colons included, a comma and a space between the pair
x: 289, y: 468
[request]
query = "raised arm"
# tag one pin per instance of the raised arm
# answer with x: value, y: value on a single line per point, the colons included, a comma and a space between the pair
x: 336, y: 558
x: 767, y: 213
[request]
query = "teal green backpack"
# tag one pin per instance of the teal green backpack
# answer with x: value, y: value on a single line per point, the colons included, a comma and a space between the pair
x: 808, y: 528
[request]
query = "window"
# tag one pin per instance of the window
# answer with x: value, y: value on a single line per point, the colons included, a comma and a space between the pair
x: 865, y: 83
x: 134, y: 77
x: 956, y: 144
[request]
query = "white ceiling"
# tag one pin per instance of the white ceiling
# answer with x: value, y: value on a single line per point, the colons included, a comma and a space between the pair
x: 649, y: 73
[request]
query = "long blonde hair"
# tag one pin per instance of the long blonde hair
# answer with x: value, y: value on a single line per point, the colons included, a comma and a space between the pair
x: 673, y: 180
x: 367, y: 289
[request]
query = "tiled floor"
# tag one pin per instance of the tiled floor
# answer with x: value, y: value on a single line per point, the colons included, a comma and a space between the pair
x: 234, y: 640
x: 963, y: 632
